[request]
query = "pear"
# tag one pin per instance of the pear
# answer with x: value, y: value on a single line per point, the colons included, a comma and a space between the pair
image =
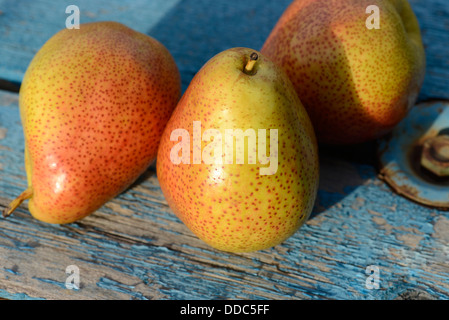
x: 238, y: 159
x: 357, y: 65
x: 94, y: 102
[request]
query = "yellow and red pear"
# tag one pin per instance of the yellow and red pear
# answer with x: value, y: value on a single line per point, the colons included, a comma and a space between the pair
x: 94, y: 102
x: 240, y: 201
x: 356, y: 81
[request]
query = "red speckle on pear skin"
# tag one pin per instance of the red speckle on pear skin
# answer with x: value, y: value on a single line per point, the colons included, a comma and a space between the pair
x: 355, y: 83
x: 231, y: 206
x: 94, y: 103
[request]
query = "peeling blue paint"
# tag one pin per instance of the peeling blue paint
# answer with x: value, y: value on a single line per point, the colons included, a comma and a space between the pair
x: 358, y: 223
x: 110, y: 284
x: 12, y: 271
x: 16, y: 296
x: 51, y: 281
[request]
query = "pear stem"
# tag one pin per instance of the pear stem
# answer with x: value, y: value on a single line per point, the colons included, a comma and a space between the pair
x: 27, y: 194
x: 250, y: 64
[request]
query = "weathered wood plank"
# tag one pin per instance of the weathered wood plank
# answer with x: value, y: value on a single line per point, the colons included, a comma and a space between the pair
x: 433, y: 17
x: 26, y: 25
x: 212, y: 27
x: 135, y: 248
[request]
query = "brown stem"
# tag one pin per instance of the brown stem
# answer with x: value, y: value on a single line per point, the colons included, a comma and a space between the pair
x: 250, y: 64
x: 27, y: 194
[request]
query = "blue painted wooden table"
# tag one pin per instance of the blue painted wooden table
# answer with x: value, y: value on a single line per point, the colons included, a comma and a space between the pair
x: 135, y: 248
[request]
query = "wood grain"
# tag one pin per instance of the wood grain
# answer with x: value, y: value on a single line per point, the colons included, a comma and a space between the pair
x: 135, y: 248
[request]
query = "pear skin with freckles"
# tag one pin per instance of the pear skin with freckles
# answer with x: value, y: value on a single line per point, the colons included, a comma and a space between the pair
x: 356, y: 81
x: 93, y: 103
x: 235, y: 205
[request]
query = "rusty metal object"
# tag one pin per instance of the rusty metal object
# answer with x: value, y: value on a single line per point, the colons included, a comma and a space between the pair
x: 414, y: 158
x: 435, y: 155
